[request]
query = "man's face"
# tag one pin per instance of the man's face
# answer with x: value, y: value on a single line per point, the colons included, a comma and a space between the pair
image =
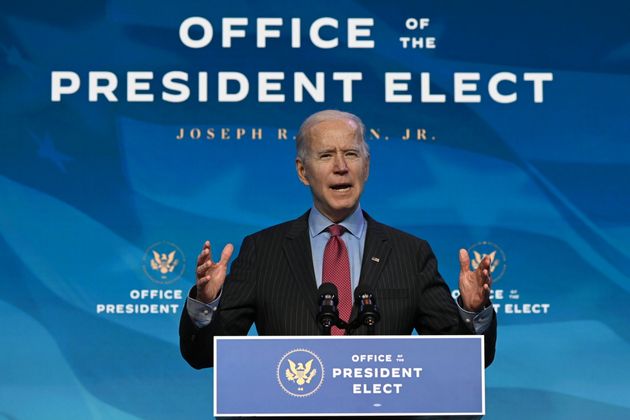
x: 335, y: 168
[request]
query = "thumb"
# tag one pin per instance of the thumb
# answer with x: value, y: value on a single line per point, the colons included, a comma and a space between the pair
x: 226, y: 254
x: 464, y: 260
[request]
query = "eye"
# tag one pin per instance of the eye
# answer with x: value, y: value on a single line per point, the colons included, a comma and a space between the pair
x: 352, y: 154
x: 325, y: 156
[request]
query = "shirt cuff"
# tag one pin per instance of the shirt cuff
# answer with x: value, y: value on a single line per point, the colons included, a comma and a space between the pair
x: 201, y: 313
x: 480, y: 320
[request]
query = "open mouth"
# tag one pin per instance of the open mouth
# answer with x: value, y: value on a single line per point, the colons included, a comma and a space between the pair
x: 341, y: 187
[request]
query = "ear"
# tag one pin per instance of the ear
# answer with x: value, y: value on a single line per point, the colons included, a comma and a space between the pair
x: 300, y: 167
x: 367, y: 168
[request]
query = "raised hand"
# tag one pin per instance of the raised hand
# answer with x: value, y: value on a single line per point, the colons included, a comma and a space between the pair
x: 474, y: 286
x: 211, y: 275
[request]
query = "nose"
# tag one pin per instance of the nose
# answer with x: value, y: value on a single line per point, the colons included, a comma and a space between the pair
x: 341, y: 166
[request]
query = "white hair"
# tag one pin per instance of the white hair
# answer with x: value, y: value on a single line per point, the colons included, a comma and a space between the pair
x: 303, y: 134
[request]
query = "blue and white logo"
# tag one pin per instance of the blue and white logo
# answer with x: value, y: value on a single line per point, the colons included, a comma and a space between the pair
x: 164, y: 262
x: 498, y: 260
x: 300, y: 373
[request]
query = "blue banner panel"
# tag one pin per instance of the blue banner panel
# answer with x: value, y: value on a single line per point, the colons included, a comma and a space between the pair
x: 133, y: 131
x: 295, y: 376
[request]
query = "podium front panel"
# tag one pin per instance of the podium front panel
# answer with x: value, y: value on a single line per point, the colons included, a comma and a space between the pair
x: 384, y: 375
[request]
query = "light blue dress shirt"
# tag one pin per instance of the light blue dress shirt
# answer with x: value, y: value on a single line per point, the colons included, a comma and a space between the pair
x: 354, y: 238
x: 356, y: 225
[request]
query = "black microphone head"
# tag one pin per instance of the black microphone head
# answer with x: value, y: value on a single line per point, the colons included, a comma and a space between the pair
x: 327, y: 289
x: 368, y: 310
x: 327, y: 299
x: 361, y: 294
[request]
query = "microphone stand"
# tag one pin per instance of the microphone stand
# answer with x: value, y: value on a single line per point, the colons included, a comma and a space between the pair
x: 369, y: 314
x: 328, y: 313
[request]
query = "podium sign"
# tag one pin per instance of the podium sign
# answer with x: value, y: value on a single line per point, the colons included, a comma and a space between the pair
x: 381, y: 375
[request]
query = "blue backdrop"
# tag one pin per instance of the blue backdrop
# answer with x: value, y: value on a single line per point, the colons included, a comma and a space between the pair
x: 103, y: 209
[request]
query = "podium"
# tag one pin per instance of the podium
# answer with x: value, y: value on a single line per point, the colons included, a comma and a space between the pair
x: 349, y: 376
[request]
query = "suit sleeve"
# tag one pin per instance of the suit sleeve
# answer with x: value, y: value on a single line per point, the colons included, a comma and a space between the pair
x: 234, y: 316
x: 437, y: 312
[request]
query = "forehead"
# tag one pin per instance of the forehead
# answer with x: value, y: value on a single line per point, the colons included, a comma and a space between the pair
x: 334, y: 133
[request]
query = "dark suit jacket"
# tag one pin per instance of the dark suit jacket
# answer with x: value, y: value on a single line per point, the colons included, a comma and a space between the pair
x: 272, y: 283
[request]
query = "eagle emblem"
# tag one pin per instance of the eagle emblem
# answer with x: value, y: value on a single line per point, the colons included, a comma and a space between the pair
x: 164, y: 263
x: 300, y: 373
x: 478, y: 257
x: 498, y: 259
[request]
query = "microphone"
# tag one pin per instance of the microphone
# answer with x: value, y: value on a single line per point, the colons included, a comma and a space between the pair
x: 369, y: 314
x: 328, y: 300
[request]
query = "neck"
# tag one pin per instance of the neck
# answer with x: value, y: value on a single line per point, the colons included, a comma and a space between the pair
x: 337, y: 216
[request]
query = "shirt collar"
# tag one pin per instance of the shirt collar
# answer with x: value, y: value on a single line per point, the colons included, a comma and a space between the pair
x: 317, y: 222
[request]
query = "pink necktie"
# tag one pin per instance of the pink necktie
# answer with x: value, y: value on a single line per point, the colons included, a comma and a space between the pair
x: 336, y: 270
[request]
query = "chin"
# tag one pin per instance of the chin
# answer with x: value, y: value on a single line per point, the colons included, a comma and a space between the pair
x: 344, y: 208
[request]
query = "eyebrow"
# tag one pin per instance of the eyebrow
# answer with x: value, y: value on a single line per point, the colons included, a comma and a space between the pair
x: 332, y: 150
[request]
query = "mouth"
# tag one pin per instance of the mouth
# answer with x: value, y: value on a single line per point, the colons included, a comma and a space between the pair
x: 343, y: 187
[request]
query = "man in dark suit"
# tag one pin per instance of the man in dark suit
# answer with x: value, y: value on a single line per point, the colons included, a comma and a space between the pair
x: 273, y: 282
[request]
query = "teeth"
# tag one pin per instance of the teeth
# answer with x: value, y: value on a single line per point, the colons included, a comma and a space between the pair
x: 342, y: 189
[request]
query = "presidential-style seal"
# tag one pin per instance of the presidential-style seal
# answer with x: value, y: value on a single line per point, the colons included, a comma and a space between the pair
x: 300, y: 373
x: 498, y: 263
x: 164, y: 262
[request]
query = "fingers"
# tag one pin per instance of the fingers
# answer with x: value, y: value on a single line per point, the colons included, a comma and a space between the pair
x: 205, y: 254
x: 205, y: 263
x: 485, y: 263
x: 486, y: 282
x: 203, y: 260
x: 485, y: 267
x: 226, y: 254
x: 464, y: 260
x: 488, y: 278
x: 203, y: 268
x: 201, y: 281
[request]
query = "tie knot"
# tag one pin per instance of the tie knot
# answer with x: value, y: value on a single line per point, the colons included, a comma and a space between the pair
x: 336, y: 230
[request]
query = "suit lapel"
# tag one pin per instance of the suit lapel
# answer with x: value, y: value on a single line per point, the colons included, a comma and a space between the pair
x: 297, y: 248
x: 375, y: 254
